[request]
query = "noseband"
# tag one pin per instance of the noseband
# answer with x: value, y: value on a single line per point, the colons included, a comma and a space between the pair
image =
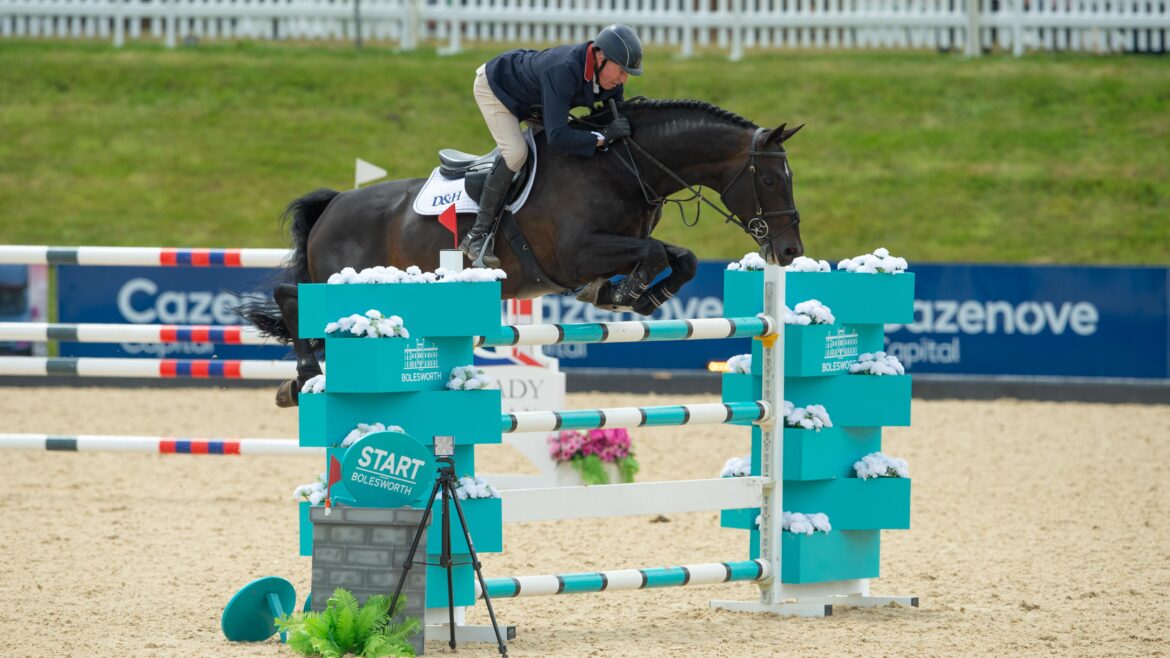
x: 756, y: 226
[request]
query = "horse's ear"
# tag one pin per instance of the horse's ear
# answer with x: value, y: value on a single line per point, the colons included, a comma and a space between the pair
x: 782, y: 133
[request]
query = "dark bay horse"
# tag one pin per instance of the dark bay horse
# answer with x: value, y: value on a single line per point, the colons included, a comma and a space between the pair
x: 586, y: 220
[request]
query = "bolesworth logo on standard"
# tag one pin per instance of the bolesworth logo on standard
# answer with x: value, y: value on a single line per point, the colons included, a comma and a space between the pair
x: 387, y: 469
x: 841, y: 349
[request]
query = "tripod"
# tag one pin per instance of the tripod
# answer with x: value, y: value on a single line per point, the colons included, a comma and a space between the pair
x: 445, y: 483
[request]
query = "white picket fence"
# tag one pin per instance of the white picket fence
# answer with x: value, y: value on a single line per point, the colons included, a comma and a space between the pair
x: 730, y: 25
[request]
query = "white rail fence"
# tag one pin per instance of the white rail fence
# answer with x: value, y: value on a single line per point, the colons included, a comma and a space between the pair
x: 730, y: 25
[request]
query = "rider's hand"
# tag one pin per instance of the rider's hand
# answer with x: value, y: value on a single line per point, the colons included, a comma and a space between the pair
x: 619, y: 128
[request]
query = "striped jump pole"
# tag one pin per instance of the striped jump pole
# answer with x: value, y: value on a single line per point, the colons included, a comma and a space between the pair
x: 33, y: 366
x: 39, y: 332
x: 715, y: 413
x: 154, y: 444
x: 630, y: 332
x: 140, y: 256
x: 625, y: 579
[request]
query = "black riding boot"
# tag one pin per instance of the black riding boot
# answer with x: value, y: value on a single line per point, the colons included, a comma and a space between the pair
x: 495, y: 189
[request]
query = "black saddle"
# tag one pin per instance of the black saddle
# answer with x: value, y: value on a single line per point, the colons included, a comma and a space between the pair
x: 474, y: 169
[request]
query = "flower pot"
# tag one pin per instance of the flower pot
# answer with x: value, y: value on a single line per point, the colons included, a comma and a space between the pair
x: 472, y: 417
x: 822, y: 557
x: 567, y: 476
x: 855, y: 400
x: 854, y: 298
x: 427, y: 309
x: 391, y: 365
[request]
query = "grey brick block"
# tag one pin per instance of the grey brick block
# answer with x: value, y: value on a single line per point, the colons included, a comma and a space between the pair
x: 392, y: 535
x: 347, y: 534
x: 372, y: 515
x: 384, y: 579
x: 320, y: 600
x: 324, y: 554
x: 411, y: 517
x: 347, y: 578
x: 362, y: 550
x: 368, y: 557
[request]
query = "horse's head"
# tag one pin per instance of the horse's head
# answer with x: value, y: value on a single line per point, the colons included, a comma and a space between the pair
x: 760, y: 199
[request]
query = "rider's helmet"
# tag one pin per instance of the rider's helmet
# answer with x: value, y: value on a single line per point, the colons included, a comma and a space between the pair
x: 621, y: 45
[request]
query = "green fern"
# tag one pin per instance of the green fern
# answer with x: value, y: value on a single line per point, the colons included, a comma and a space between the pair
x: 628, y: 467
x: 345, y: 627
x: 592, y: 469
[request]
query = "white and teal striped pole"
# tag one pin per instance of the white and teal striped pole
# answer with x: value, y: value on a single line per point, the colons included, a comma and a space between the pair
x: 630, y: 332
x: 715, y: 413
x: 625, y: 579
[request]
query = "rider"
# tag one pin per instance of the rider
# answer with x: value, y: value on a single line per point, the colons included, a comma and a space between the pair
x: 522, y: 84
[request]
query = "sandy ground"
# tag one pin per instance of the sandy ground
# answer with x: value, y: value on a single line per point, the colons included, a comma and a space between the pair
x: 1039, y: 529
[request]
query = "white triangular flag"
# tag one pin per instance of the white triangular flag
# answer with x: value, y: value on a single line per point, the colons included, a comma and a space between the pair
x: 365, y: 172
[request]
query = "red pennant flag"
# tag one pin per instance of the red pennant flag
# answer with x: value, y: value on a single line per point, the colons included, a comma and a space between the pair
x: 334, y: 477
x: 449, y: 220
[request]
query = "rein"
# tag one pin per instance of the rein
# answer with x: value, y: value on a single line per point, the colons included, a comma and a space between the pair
x: 757, y: 226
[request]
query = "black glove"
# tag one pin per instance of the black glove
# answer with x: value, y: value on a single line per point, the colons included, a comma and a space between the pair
x: 619, y: 128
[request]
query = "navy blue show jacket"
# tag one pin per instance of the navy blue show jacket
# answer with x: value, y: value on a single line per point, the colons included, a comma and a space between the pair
x: 552, y: 81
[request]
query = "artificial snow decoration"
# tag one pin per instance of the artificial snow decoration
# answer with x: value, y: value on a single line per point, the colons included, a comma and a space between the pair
x: 314, y: 384
x: 877, y: 363
x: 740, y: 364
x: 413, y: 274
x: 362, y: 429
x: 737, y: 467
x: 809, y: 312
x: 314, y: 492
x: 879, y: 262
x: 813, y: 417
x: 470, y: 378
x: 880, y: 465
x: 371, y: 325
x: 476, y: 487
x: 750, y: 261
x: 803, y: 524
x: 805, y: 264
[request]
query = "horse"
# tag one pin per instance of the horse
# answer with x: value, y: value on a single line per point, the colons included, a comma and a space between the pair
x: 587, y: 220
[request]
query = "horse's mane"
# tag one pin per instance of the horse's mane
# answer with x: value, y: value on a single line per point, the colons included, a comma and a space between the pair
x: 640, y: 104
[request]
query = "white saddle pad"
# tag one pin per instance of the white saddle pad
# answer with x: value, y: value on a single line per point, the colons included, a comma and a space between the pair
x: 438, y: 193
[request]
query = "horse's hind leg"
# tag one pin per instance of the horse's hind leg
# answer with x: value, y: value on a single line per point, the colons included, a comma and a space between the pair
x: 307, y: 364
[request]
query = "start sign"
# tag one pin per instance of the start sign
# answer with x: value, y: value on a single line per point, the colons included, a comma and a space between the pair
x: 387, y: 469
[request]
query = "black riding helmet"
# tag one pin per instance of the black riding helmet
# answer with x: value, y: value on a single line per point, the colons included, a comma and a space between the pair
x: 621, y: 45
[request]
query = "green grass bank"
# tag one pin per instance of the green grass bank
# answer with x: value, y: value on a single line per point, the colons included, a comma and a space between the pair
x: 1045, y: 159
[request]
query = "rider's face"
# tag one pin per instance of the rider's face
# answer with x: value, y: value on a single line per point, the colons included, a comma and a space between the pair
x: 611, y: 75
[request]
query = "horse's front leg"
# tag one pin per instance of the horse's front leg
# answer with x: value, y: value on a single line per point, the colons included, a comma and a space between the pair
x: 640, y: 259
x: 683, y: 267
x: 307, y: 364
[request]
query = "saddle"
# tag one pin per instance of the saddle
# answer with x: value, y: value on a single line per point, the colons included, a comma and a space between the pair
x: 473, y: 169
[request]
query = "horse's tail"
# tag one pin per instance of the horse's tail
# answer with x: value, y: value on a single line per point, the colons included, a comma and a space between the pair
x: 303, y: 213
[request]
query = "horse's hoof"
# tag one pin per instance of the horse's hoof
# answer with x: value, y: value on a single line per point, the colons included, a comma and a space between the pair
x: 286, y: 394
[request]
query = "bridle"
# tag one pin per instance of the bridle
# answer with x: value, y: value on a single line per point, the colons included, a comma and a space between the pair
x: 756, y: 226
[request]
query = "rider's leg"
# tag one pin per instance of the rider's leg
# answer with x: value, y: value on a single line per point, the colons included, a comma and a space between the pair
x: 505, y: 129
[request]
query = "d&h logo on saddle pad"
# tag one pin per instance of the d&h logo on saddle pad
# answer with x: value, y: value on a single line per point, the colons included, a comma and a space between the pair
x: 439, y: 192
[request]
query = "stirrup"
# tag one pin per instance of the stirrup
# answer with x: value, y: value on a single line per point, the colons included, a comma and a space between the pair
x: 487, y: 257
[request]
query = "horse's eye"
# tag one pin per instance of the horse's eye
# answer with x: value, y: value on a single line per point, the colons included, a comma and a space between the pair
x: 769, y: 180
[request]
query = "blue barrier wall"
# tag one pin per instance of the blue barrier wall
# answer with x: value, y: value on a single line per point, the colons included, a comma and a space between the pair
x: 968, y: 319
x: 156, y: 295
